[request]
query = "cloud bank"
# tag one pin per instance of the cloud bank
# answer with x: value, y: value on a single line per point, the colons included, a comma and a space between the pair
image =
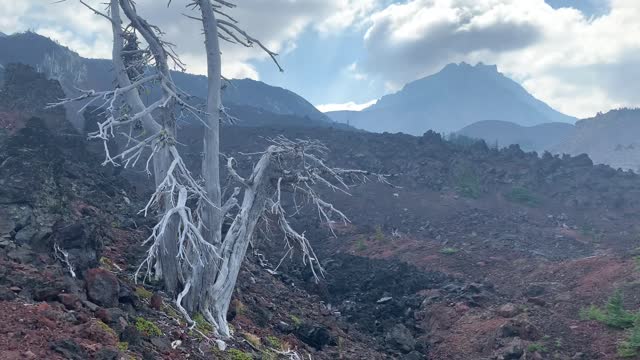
x: 578, y: 62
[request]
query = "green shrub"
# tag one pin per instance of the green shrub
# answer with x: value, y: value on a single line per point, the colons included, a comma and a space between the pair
x: 449, y: 251
x: 521, y: 195
x: 558, y: 343
x: 379, y: 235
x: 143, y: 293
x: 274, y: 342
x: 631, y: 346
x: 536, y: 347
x: 613, y: 315
x: 107, y: 328
x: 468, y: 185
x: 296, y: 321
x: 201, y: 324
x: 239, y: 355
x: 360, y: 245
x: 147, y: 328
x: 617, y: 316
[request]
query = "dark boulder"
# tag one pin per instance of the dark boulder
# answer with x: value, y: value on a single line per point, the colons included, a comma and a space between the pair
x: 103, y: 287
x: 315, y: 335
x: 107, y: 354
x: 400, y: 338
x: 69, y: 349
x: 81, y: 241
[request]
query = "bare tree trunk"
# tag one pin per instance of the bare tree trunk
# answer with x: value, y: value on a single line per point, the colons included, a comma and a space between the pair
x: 167, y: 264
x: 211, y: 158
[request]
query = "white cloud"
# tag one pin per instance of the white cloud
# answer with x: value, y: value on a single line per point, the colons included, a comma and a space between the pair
x: 354, y: 72
x: 351, y: 106
x: 277, y: 23
x: 572, y: 62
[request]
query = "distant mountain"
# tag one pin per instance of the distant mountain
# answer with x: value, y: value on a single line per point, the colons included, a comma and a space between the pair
x: 530, y: 138
x: 3, y: 34
x: 610, y: 138
x: 455, y: 97
x: 74, y: 71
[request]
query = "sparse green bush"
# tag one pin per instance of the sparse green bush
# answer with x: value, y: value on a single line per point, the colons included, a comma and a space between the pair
x: 360, y: 245
x: 296, y: 321
x: 239, y: 355
x: 631, y: 346
x: 615, y: 316
x: 274, y: 342
x: 268, y: 355
x: 379, y: 235
x: 147, y: 328
x: 536, y: 347
x: 449, y: 251
x: 521, y: 195
x: 143, y: 293
x: 468, y: 185
x: 558, y: 343
x: 107, y: 328
x: 201, y: 324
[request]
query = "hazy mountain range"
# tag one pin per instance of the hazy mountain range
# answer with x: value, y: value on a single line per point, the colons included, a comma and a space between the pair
x: 610, y: 138
x: 457, y: 96
x: 74, y: 71
x: 531, y: 138
x: 475, y: 101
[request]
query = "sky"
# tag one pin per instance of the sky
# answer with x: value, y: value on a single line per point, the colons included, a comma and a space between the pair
x: 579, y: 56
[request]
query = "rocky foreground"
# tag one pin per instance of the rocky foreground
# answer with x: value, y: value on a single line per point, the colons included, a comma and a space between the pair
x: 475, y: 253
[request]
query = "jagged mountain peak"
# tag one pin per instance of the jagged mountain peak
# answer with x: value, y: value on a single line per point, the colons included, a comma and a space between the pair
x: 455, y: 97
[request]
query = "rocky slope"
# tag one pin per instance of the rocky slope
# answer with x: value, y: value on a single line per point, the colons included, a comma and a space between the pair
x: 457, y: 96
x: 475, y: 253
x: 607, y: 138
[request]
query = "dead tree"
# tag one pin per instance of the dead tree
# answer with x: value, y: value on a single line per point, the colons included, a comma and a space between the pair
x: 198, y: 262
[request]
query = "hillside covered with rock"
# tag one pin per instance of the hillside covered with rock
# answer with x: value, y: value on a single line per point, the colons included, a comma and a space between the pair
x: 470, y: 253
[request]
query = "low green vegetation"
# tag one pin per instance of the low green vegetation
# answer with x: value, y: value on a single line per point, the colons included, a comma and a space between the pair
x: 360, y: 245
x: 558, y: 343
x: 123, y: 346
x: 239, y: 355
x: 201, y: 324
x: 143, y: 293
x: 268, y: 355
x: 468, y: 185
x: 147, y: 328
x: 296, y: 321
x: 379, y: 235
x: 107, y: 328
x: 629, y: 348
x: 536, y: 347
x: 614, y: 315
x: 274, y: 342
x: 521, y: 195
x: 449, y: 251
